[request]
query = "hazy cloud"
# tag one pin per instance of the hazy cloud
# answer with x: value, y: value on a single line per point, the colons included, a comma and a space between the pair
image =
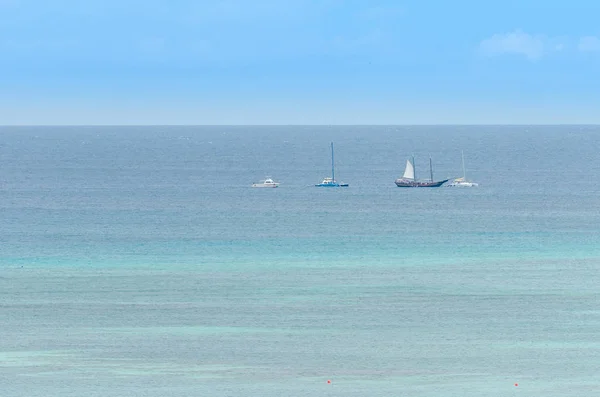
x: 534, y: 47
x: 588, y: 44
x: 367, y: 40
x: 381, y: 12
x: 41, y: 44
x: 517, y: 42
x: 250, y: 11
x: 153, y: 45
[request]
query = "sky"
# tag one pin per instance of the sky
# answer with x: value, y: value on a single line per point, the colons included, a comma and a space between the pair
x: 145, y: 62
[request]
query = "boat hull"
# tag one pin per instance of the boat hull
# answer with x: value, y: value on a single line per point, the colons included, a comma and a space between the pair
x: 409, y: 183
x: 463, y: 184
x: 332, y: 185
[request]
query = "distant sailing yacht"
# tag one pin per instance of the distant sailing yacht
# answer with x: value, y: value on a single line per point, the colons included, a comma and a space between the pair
x: 330, y: 182
x: 462, y: 182
x: 409, y: 180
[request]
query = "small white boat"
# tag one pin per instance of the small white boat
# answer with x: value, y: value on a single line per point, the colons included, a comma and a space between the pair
x: 266, y: 183
x: 462, y: 182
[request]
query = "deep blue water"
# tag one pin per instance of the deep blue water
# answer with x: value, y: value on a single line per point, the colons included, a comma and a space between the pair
x: 138, y: 260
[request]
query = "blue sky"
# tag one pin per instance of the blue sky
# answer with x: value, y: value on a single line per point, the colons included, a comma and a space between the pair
x: 299, y: 62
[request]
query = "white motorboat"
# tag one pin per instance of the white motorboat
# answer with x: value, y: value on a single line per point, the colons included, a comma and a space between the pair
x: 268, y: 182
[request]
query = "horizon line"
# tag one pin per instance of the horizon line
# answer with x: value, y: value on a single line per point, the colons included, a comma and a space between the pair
x: 313, y: 125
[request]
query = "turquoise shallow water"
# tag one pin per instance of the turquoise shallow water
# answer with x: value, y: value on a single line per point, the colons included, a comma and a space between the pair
x: 137, y: 261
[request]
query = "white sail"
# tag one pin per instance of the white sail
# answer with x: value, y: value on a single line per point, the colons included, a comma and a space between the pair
x: 409, y: 171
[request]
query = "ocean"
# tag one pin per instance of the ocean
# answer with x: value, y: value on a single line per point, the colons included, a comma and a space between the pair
x: 138, y: 261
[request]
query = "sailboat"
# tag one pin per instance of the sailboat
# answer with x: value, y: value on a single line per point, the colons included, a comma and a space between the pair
x: 330, y: 182
x: 462, y: 182
x: 409, y: 179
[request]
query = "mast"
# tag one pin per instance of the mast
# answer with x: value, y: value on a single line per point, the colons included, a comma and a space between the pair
x: 430, y: 169
x: 332, y: 167
x: 462, y: 152
x: 414, y: 168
